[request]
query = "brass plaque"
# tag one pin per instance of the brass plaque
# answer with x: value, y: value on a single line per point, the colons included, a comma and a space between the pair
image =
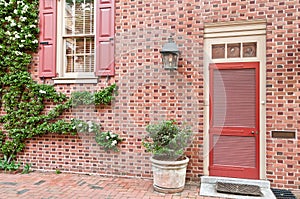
x: 284, y: 134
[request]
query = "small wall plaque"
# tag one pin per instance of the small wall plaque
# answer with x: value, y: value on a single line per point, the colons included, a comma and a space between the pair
x: 284, y: 134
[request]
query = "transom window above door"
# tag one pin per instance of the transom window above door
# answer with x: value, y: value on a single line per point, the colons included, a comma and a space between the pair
x: 234, y: 50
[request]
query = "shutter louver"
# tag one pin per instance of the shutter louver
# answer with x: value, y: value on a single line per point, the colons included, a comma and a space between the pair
x: 47, y: 46
x: 105, y: 38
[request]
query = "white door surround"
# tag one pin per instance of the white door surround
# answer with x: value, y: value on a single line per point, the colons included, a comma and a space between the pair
x: 236, y: 33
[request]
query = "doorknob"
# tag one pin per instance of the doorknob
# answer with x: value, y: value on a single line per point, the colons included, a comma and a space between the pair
x: 254, y: 132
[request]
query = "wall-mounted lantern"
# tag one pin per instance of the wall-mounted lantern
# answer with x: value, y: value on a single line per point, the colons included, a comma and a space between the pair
x: 170, y: 54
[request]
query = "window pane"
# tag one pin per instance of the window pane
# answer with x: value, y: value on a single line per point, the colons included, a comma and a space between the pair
x: 89, y: 45
x: 79, y: 17
x: 70, y: 63
x: 79, y: 54
x: 218, y: 51
x: 80, y: 46
x: 89, y: 63
x: 79, y: 64
x: 233, y: 50
x: 249, y: 49
x: 69, y: 46
x: 79, y: 36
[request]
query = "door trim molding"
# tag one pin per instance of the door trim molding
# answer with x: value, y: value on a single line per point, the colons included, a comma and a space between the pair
x: 235, y: 29
x: 261, y: 58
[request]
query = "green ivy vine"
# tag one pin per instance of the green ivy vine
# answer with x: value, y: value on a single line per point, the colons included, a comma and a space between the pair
x: 23, y: 99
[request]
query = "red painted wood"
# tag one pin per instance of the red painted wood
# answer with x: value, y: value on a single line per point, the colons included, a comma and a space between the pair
x: 237, y: 108
x: 234, y: 150
x: 234, y: 115
x: 47, y: 51
x: 105, y: 38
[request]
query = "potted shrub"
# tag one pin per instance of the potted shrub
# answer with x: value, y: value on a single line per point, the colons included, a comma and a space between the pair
x: 167, y: 142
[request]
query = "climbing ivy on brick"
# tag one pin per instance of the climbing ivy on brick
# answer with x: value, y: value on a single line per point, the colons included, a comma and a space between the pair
x: 23, y: 99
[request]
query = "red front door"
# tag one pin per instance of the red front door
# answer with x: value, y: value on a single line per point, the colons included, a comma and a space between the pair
x: 234, y: 120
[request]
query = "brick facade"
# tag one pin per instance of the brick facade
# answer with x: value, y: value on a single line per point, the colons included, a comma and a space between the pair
x: 148, y: 93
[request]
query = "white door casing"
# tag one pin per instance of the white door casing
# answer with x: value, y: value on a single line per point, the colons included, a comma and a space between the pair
x: 236, y: 32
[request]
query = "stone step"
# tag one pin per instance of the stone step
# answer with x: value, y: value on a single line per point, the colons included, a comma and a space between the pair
x: 208, y: 183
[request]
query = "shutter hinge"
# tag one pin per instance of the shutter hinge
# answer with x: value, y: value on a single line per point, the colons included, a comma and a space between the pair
x: 43, y: 79
x: 44, y: 42
x: 107, y: 78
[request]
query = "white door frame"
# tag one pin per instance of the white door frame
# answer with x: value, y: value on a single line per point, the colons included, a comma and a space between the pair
x: 222, y: 33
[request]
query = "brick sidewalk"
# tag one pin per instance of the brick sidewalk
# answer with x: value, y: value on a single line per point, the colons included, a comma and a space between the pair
x: 51, y: 185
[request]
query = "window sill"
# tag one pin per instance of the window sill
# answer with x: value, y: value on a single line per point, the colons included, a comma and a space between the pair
x: 70, y: 80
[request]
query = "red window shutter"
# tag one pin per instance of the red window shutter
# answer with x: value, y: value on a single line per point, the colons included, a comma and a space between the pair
x: 47, y: 48
x: 105, y: 30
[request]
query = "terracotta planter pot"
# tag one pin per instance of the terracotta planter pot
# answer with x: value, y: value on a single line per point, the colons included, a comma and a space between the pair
x: 169, y: 176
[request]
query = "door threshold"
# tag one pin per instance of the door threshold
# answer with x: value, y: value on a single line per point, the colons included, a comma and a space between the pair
x: 208, y: 187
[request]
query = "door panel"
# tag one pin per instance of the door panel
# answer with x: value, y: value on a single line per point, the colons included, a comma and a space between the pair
x: 234, y: 122
x: 234, y: 97
x: 234, y: 150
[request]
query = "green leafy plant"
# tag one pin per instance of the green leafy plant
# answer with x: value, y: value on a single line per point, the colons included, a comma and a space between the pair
x: 167, y: 140
x: 8, y: 165
x: 23, y: 99
x: 26, y: 168
x: 57, y: 171
x: 108, y: 140
x: 82, y: 98
x: 105, y: 96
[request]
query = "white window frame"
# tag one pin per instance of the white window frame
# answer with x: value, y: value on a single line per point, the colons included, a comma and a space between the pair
x: 75, y: 77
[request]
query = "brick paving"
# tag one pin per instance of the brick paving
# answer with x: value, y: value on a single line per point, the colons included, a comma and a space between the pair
x: 50, y: 186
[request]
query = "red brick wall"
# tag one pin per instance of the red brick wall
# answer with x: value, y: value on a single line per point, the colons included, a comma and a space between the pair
x: 148, y: 93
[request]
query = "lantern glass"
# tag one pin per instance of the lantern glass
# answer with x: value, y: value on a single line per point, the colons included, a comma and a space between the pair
x: 170, y: 60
